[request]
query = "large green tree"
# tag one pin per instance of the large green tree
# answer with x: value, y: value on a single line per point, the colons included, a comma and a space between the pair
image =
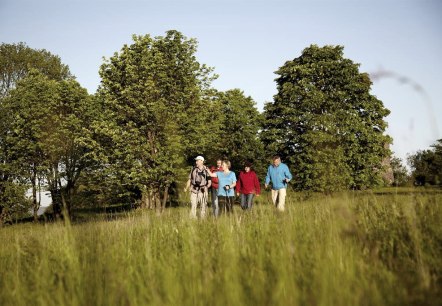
x: 17, y: 59
x: 158, y: 106
x: 426, y: 165
x: 48, y: 139
x: 239, y: 131
x: 325, y: 122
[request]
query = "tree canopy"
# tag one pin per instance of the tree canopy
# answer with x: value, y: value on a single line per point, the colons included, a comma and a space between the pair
x: 156, y: 109
x: 325, y: 122
x: 47, y: 136
x: 426, y: 165
x: 16, y: 60
x: 158, y: 100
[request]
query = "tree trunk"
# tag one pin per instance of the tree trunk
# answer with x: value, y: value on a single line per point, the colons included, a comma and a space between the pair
x: 64, y: 202
x: 35, y: 203
x: 150, y: 197
x: 165, y: 197
x: 157, y: 200
x: 144, y: 198
x: 55, y: 192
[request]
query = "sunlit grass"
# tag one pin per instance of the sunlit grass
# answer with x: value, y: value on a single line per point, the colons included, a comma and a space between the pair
x: 351, y: 249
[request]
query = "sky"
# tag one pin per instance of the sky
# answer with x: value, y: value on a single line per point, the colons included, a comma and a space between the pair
x: 398, y: 42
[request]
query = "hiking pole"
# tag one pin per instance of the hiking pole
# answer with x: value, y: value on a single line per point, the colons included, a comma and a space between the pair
x: 204, y: 199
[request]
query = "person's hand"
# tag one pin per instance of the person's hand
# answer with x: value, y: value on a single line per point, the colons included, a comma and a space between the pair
x: 265, y: 186
x: 237, y: 194
x: 257, y: 195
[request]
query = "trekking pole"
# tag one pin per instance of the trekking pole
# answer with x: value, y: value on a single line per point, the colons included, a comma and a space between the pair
x: 230, y: 200
x: 204, y: 199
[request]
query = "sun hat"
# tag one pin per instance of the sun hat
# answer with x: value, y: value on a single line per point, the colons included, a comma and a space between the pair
x: 199, y: 157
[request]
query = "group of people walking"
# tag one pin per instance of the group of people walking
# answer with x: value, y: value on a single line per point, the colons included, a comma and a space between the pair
x: 221, y: 183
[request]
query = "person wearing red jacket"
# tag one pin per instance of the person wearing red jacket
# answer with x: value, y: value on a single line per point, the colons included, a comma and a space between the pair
x: 214, y: 188
x: 248, y: 186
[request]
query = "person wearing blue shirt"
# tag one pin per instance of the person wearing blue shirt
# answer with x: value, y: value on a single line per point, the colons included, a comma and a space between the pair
x: 279, y: 174
x: 226, y: 185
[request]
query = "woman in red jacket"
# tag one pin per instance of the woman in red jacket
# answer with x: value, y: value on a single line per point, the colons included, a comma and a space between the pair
x: 247, y: 185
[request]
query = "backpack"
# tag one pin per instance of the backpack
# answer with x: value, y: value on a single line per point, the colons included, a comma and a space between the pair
x: 199, y: 178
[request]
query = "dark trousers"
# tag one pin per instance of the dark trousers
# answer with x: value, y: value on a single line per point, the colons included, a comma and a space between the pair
x: 226, y: 203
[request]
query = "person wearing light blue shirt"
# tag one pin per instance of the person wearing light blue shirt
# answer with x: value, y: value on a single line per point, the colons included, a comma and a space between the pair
x: 279, y: 174
x: 226, y: 185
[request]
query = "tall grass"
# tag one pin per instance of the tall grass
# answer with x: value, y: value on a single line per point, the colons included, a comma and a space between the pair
x: 351, y: 249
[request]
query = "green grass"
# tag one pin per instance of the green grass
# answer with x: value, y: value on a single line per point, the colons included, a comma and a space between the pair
x: 347, y: 249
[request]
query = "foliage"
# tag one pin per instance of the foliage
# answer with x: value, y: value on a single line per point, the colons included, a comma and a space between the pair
x: 15, y: 204
x: 400, y: 172
x: 48, y: 136
x: 426, y: 165
x: 16, y: 60
x: 349, y: 249
x: 239, y: 141
x: 154, y: 93
x: 325, y: 123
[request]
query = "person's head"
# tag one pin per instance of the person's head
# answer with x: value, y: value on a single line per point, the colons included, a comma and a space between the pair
x: 219, y: 163
x: 276, y: 160
x: 199, y: 161
x: 226, y: 165
x: 247, y: 166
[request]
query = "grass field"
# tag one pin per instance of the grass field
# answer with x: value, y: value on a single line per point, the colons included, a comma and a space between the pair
x: 347, y: 249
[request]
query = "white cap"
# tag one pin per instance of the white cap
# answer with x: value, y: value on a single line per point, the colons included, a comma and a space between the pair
x: 199, y: 158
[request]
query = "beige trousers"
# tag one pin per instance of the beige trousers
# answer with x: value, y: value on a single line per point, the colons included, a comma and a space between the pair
x: 278, y: 198
x: 195, y: 198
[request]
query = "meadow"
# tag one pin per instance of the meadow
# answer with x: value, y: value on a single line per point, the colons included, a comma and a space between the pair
x: 356, y: 248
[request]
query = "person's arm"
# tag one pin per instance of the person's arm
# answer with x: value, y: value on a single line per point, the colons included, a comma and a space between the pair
x: 287, y: 174
x: 188, y: 182
x: 187, y: 185
x: 238, y: 185
x: 211, y: 174
x: 267, y: 179
x: 209, y: 181
x: 233, y: 184
x: 257, y: 186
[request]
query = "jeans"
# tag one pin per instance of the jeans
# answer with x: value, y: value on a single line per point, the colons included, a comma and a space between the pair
x: 247, y: 200
x: 215, y: 206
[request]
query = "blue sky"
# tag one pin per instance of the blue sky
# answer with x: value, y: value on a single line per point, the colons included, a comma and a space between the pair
x: 246, y: 41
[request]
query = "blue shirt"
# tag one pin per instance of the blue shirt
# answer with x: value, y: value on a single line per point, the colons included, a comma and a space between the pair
x: 223, y: 180
x: 278, y: 175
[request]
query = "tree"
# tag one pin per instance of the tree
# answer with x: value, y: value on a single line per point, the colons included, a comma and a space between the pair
x: 26, y: 108
x: 400, y: 172
x: 17, y: 59
x: 157, y: 98
x: 426, y: 165
x: 325, y: 122
x: 12, y: 187
x: 48, y: 138
x: 239, y: 130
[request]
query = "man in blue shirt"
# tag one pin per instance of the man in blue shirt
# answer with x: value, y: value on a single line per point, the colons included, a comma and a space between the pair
x: 279, y: 174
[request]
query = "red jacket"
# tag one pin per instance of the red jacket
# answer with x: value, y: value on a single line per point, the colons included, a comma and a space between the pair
x: 215, y: 179
x: 248, y: 183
